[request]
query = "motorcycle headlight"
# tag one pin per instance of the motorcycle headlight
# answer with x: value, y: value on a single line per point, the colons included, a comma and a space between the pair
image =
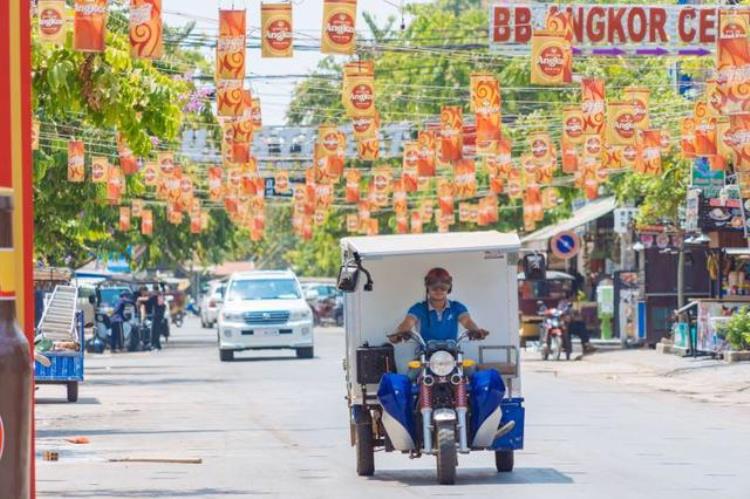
x: 232, y: 317
x: 442, y: 363
x: 301, y: 315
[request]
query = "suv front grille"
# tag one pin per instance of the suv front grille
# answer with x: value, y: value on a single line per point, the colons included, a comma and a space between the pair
x: 274, y: 317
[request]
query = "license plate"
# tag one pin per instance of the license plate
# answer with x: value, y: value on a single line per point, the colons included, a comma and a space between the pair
x: 266, y: 332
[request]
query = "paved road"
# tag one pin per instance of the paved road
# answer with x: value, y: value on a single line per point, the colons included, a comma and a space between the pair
x: 269, y: 425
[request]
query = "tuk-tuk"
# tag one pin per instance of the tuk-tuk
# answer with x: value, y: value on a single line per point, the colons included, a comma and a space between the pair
x: 399, y: 399
x: 556, y: 286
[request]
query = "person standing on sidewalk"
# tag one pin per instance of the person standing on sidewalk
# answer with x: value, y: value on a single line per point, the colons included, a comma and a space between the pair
x: 158, y: 305
x: 117, y: 320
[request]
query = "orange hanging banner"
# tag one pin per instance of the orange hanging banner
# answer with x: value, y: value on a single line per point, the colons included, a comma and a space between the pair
x: 230, y: 98
x: 147, y: 223
x: 409, y: 172
x: 451, y: 133
x: 732, y: 47
x: 52, y: 21
x: 426, y: 154
x: 146, y: 29
x: 359, y: 91
x: 230, y: 57
x: 76, y: 172
x: 592, y: 105
x: 620, y: 123
x: 99, y: 169
x: 485, y: 102
x: 687, y: 137
x: 90, y: 25
x: 638, y: 97
x: 551, y: 59
x: 739, y: 138
x: 338, y: 33
x: 705, y: 130
x: 256, y: 114
x: 277, y: 36
x: 124, y: 218
x: 651, y: 151
x: 573, y: 124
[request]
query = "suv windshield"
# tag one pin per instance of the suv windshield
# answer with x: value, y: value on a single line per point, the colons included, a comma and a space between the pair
x: 264, y: 289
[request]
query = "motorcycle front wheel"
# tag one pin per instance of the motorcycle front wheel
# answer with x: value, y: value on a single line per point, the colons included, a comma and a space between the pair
x: 446, y: 454
x: 555, y: 347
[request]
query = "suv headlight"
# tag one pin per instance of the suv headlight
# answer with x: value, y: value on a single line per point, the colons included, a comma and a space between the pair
x: 232, y: 316
x: 301, y: 315
x: 442, y: 363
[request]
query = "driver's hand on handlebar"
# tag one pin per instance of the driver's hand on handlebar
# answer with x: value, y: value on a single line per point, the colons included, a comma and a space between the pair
x: 399, y: 336
x: 478, y: 334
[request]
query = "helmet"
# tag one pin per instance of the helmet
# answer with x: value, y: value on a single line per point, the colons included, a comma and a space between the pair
x: 438, y: 275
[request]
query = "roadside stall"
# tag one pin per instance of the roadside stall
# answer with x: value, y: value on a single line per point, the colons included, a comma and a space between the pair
x: 382, y: 277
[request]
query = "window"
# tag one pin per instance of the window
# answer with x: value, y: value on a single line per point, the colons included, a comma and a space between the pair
x: 264, y: 289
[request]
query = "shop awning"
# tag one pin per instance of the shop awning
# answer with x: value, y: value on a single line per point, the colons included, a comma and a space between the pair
x: 595, y: 209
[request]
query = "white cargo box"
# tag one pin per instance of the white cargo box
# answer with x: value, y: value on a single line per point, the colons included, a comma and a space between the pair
x: 484, y: 270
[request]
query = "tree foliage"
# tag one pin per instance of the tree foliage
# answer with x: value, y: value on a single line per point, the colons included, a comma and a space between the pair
x: 91, y: 97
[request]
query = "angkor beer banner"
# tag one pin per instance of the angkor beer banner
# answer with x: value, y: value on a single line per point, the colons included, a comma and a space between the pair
x: 672, y: 28
x: 451, y: 133
x: 638, y: 98
x: 146, y: 29
x: 592, y: 105
x: 277, y: 36
x: 52, y: 21
x: 551, y: 59
x: 573, y: 124
x: 358, y: 95
x: 620, y: 123
x: 338, y: 30
x: 230, y: 57
x: 485, y: 102
x: 732, y: 48
x: 651, y: 151
x: 90, y: 25
x: 76, y: 172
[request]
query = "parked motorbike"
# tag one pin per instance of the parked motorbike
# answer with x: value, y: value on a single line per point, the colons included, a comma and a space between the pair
x: 453, y: 414
x: 555, y: 337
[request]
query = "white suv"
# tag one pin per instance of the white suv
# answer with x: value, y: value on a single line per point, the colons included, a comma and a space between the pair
x: 264, y: 310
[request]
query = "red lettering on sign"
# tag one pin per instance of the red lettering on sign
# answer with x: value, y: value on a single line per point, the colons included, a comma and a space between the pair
x: 658, y: 17
x: 576, y: 16
x: 614, y: 25
x: 523, y: 24
x: 637, y: 30
x: 595, y: 30
x: 707, y: 24
x: 502, y: 21
x: 685, y: 25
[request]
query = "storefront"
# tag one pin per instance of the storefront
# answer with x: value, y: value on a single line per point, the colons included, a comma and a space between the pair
x: 591, y: 258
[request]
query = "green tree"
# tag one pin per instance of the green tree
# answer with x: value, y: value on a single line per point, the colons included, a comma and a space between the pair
x: 92, y: 97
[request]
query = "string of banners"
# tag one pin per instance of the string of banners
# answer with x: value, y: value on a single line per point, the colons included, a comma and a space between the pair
x: 88, y: 19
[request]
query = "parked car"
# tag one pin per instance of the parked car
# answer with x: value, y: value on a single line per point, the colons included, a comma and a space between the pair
x: 211, y: 303
x: 264, y: 310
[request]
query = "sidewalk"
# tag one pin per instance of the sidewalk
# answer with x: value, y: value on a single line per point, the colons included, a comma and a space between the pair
x: 701, y: 379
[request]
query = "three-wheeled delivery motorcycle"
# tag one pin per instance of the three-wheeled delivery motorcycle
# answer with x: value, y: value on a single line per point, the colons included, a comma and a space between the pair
x: 438, y: 398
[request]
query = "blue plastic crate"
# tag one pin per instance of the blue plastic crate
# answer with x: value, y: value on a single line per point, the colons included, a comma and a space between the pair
x: 65, y: 366
x: 513, y: 410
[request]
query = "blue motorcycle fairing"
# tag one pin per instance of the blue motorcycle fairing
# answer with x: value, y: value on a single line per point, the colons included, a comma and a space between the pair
x: 487, y: 391
x: 395, y: 396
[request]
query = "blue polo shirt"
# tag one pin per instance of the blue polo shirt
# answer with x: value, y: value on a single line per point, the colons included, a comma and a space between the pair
x: 441, y: 325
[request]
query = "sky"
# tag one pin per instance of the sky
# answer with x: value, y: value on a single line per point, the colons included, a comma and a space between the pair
x: 275, y: 94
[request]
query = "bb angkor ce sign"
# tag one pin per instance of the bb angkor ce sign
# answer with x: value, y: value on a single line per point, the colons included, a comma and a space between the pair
x: 653, y: 26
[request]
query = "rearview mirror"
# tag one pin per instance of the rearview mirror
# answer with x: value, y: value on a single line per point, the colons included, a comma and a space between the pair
x: 347, y: 280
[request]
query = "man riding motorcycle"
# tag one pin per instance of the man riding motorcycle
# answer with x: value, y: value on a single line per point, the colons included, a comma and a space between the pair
x: 436, y: 317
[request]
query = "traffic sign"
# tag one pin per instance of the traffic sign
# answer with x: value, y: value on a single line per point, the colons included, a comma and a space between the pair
x: 565, y: 245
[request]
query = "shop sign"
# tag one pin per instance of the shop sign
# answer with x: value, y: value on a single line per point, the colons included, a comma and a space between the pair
x: 717, y: 214
x: 565, y: 245
x: 623, y: 217
x: 691, y: 210
x: 708, y: 181
x: 653, y: 29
